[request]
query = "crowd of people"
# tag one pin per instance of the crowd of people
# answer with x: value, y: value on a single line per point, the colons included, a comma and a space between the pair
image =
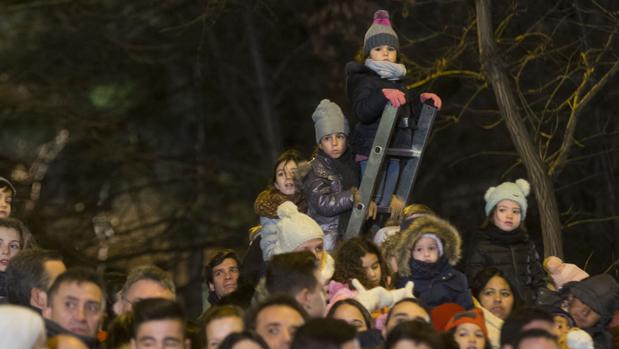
x: 406, y: 282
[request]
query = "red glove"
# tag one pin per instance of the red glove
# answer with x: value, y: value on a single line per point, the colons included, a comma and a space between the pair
x: 395, y: 96
x: 435, y: 99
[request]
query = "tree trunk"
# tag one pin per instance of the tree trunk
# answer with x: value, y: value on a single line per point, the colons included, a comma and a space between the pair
x: 495, y: 72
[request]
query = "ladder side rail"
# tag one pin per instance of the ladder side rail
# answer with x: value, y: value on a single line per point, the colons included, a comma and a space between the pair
x: 372, y: 170
x: 420, y: 141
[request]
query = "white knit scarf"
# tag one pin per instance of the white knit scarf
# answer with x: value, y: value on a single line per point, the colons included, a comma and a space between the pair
x: 386, y: 69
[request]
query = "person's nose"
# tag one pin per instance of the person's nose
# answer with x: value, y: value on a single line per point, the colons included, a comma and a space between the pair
x: 80, y: 314
x: 497, y: 298
x: 5, y: 249
x: 287, y: 338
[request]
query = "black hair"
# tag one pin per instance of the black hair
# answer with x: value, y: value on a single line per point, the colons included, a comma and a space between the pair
x: 291, y: 272
x: 518, y: 319
x: 285, y: 157
x: 276, y: 300
x: 481, y: 279
x: 233, y: 338
x: 322, y: 333
x: 152, y: 309
x: 27, y: 271
x: 417, y: 331
x: 78, y: 275
x: 412, y: 300
x: 348, y: 264
x: 367, y: 318
x: 119, y: 331
x: 217, y: 259
x: 6, y: 184
x: 534, y: 333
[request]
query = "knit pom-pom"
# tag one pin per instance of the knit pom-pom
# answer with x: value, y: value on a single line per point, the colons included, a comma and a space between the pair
x: 488, y: 193
x: 524, y: 186
x: 382, y: 17
x: 287, y: 209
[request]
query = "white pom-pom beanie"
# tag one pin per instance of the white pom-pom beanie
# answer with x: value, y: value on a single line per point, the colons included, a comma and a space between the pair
x: 516, y: 191
x: 294, y: 228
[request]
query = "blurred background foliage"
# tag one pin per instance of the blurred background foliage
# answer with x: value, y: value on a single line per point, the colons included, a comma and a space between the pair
x: 142, y: 131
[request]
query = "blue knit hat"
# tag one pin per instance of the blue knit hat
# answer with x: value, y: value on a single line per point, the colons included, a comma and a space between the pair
x: 516, y: 191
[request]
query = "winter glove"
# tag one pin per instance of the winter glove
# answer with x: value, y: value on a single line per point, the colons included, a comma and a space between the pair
x: 372, y: 210
x: 373, y: 299
x: 396, y: 205
x: 435, y: 99
x: 404, y: 292
x: 395, y: 96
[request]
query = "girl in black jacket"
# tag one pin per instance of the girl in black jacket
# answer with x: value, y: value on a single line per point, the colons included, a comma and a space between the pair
x: 503, y: 243
x: 380, y: 79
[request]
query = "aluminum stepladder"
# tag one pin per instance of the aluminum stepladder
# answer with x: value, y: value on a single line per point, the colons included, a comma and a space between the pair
x: 377, y: 156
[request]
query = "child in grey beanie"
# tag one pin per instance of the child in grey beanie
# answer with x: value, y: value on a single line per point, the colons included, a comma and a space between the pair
x: 330, y: 186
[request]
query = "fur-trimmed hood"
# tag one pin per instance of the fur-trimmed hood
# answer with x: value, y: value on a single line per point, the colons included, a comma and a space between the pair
x: 427, y: 224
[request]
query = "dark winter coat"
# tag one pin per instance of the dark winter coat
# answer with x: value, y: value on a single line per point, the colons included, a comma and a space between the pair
x: 511, y: 252
x: 3, y: 292
x: 364, y: 89
x: 439, y: 282
x: 54, y: 329
x: 329, y: 203
x: 601, y: 294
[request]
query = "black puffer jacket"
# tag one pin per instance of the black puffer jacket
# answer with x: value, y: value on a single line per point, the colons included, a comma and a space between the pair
x: 364, y: 89
x: 329, y: 203
x: 512, y: 253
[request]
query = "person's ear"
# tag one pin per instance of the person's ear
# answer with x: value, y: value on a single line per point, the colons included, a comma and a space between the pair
x: 38, y: 298
x: 187, y: 343
x: 47, y: 312
x: 117, y: 307
x: 211, y: 287
x: 303, y: 298
x: 133, y: 344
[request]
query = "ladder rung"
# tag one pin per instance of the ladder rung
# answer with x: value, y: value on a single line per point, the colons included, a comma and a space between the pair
x: 404, y: 152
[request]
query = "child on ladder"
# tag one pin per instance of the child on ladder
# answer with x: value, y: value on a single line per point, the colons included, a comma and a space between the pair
x: 330, y: 186
x: 370, y: 85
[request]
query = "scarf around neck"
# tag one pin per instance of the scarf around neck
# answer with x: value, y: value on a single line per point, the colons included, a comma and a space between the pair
x: 269, y: 200
x: 502, y: 237
x: 422, y: 270
x: 386, y: 69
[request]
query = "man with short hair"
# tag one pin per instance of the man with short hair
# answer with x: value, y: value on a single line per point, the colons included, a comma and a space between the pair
x: 276, y: 320
x: 297, y: 274
x: 159, y: 323
x: 147, y: 281
x: 76, y: 303
x: 30, y: 275
x: 536, y: 339
x: 222, y: 276
x: 326, y: 333
x: 406, y: 309
x: 523, y: 319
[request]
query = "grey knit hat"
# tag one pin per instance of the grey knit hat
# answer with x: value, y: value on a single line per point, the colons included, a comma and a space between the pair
x: 328, y: 118
x: 516, y: 191
x: 380, y: 33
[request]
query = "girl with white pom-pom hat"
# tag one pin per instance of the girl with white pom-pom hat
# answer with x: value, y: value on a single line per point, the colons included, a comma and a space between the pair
x: 297, y: 231
x: 504, y: 243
